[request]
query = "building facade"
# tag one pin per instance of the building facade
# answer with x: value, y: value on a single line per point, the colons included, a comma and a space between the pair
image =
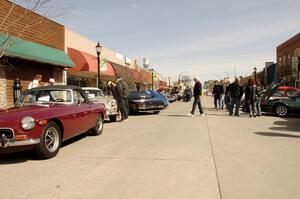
x: 30, y: 44
x: 288, y: 56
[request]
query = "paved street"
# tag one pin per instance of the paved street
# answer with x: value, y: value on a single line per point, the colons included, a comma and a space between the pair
x: 167, y: 156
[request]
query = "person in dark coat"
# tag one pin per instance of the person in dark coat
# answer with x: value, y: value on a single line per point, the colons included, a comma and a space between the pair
x: 235, y: 92
x: 251, y: 97
x: 217, y: 92
x: 122, y: 93
x: 197, y: 94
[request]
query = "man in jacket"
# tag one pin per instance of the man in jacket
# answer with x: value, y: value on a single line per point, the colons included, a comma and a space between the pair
x: 197, y: 95
x: 122, y: 95
x: 235, y: 92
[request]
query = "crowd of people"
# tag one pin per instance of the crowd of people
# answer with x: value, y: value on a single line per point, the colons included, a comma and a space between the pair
x: 227, y: 95
x: 230, y: 95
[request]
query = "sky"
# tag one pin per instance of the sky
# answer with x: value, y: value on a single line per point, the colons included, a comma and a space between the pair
x: 207, y: 38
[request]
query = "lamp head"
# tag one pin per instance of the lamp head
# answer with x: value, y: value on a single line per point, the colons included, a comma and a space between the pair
x: 98, y: 48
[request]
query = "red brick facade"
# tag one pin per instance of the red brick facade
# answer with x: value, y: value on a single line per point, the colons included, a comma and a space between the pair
x: 288, y: 54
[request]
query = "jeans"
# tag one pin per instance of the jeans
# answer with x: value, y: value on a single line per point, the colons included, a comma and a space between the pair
x: 197, y: 101
x: 235, y: 101
x: 228, y: 101
x: 252, y: 107
x: 258, y: 107
x: 222, y: 101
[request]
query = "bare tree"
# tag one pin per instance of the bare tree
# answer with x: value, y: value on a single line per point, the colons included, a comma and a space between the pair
x: 16, y: 15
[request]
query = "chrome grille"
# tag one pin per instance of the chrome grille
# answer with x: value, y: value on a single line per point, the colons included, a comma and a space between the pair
x: 7, y: 132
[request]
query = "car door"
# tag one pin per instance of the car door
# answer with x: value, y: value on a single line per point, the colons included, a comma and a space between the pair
x: 297, y: 103
x: 83, y: 112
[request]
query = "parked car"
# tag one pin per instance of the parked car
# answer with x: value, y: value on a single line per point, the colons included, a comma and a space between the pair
x: 96, y: 95
x: 280, y: 105
x: 145, y: 101
x: 44, y: 117
x: 171, y: 98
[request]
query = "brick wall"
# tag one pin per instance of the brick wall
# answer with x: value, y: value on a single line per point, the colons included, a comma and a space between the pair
x: 287, y: 70
x: 32, y: 26
x: 3, y: 102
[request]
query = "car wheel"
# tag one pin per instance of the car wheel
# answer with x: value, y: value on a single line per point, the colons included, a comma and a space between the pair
x: 50, y: 141
x: 97, y: 130
x: 281, y: 110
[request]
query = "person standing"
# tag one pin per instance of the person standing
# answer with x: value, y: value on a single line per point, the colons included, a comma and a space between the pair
x: 251, y: 97
x: 51, y: 82
x: 222, y: 96
x: 235, y: 94
x: 197, y: 94
x: 215, y: 93
x: 36, y: 81
x: 259, y: 98
x: 122, y: 93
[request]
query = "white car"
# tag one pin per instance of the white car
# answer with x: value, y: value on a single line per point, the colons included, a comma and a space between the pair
x: 96, y: 95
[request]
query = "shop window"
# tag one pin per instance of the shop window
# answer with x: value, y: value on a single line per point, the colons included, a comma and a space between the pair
x: 279, y: 62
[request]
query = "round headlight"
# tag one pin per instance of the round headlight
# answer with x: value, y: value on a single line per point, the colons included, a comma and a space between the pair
x: 113, y: 102
x: 27, y: 123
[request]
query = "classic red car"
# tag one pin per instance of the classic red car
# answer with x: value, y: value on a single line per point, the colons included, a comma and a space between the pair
x: 44, y: 117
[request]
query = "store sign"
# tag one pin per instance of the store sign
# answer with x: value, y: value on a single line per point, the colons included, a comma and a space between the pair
x: 127, y: 60
x: 119, y: 56
x: 103, y: 66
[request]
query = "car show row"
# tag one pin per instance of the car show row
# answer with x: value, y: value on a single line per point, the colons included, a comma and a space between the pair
x: 44, y: 117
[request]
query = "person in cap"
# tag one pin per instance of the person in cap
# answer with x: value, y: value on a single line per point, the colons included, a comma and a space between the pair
x: 197, y: 94
x: 51, y: 82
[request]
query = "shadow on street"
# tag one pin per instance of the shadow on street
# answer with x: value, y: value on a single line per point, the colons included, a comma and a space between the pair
x: 276, y: 134
x: 29, y: 155
x: 289, y: 124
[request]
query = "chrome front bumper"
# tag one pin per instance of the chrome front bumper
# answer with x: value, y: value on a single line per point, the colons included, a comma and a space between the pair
x: 12, y: 143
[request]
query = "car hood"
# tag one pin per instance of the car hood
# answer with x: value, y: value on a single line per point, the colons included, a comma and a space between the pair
x: 17, y: 113
x: 100, y: 100
x: 272, y: 88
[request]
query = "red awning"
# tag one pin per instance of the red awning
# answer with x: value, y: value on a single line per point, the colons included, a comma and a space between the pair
x: 87, y: 62
x: 162, y: 84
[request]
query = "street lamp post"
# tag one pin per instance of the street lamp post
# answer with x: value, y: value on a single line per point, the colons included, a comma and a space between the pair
x: 98, y: 51
x: 254, y: 73
x: 152, y: 80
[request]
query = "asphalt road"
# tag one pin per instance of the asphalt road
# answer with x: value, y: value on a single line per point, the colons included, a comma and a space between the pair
x: 167, y: 156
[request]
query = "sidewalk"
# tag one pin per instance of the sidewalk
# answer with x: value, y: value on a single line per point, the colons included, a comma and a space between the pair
x: 256, y: 158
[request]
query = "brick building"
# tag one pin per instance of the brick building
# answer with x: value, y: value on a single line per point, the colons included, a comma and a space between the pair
x: 36, y: 47
x: 288, y: 59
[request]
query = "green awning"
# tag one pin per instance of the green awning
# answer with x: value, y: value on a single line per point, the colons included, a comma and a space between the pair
x: 35, y: 52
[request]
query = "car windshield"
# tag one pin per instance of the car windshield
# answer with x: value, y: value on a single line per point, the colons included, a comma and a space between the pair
x: 45, y: 97
x: 93, y: 93
x: 296, y: 94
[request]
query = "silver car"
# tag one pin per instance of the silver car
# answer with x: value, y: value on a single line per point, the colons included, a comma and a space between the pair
x: 96, y: 95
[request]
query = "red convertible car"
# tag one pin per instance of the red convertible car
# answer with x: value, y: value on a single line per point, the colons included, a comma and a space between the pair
x: 43, y: 117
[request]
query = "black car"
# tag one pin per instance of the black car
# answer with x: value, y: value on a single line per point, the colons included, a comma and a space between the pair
x: 146, y: 101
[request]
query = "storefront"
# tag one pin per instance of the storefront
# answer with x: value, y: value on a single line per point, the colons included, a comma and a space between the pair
x: 35, y: 50
x: 85, y: 72
x: 24, y: 59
